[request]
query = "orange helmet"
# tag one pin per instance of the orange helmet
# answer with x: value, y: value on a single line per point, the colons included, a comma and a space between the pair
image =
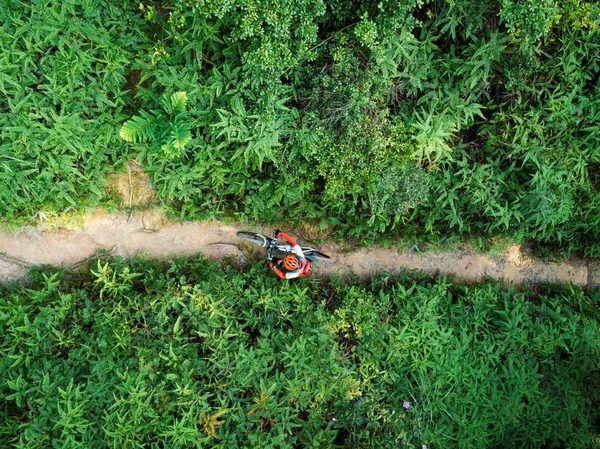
x: 291, y: 262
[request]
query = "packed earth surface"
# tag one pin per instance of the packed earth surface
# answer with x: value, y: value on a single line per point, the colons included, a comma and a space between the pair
x: 149, y: 233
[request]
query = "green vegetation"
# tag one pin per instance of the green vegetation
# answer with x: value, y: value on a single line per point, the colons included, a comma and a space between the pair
x: 434, y: 118
x: 169, y: 126
x: 430, y: 118
x: 192, y: 354
x: 63, y: 99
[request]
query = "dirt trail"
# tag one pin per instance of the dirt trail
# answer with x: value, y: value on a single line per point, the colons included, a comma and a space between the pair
x: 151, y: 234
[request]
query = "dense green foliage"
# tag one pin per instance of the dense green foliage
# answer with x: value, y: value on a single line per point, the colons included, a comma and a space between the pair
x: 190, y: 354
x: 169, y: 128
x: 62, y: 86
x: 433, y: 117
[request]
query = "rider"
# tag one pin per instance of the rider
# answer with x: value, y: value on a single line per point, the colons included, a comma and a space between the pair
x: 294, y: 265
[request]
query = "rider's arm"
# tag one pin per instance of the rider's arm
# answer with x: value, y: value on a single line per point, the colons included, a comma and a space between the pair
x: 289, y: 239
x: 289, y: 274
x: 298, y: 252
x: 295, y: 247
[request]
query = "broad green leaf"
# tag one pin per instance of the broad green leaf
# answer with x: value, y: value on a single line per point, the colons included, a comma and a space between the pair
x: 180, y: 135
x: 137, y: 129
x: 178, y: 102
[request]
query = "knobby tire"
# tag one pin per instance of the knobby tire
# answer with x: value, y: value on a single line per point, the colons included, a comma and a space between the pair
x: 253, y: 237
x: 316, y: 254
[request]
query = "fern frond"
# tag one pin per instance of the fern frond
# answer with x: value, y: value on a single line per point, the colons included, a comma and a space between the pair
x: 138, y: 129
x: 170, y: 150
x: 175, y: 103
x: 180, y: 135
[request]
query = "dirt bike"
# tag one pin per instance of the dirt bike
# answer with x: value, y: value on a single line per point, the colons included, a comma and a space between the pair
x: 275, y: 250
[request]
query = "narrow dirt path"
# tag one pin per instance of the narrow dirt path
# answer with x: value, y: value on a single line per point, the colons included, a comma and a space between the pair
x: 151, y: 234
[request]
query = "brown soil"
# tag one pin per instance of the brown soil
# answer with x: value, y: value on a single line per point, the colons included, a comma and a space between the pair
x: 132, y: 187
x: 146, y: 230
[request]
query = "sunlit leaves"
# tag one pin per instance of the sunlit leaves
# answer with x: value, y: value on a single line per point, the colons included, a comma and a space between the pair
x: 180, y: 135
x: 192, y: 354
x: 168, y: 129
x: 62, y: 76
x: 175, y: 103
x: 138, y: 129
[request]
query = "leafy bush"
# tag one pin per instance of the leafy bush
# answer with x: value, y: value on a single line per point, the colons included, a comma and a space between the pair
x: 169, y: 125
x: 526, y: 169
x: 257, y: 147
x: 437, y: 118
x: 62, y: 79
x: 479, y: 366
x: 267, y: 36
x: 189, y: 354
x: 531, y: 21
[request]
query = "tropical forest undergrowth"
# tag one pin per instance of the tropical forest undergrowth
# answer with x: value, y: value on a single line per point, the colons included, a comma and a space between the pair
x: 191, y: 353
x: 435, y: 118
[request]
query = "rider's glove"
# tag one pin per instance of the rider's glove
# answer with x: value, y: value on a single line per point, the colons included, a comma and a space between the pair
x: 271, y: 265
x: 278, y: 233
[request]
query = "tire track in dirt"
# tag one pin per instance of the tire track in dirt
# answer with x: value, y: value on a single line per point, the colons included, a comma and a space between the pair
x: 151, y: 234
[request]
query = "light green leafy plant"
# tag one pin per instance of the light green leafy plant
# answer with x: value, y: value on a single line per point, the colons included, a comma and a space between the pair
x: 63, y: 69
x: 168, y: 128
x: 191, y: 353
